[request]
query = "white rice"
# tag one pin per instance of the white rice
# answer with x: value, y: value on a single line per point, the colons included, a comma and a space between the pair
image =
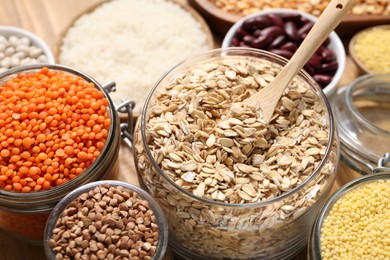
x: 132, y: 42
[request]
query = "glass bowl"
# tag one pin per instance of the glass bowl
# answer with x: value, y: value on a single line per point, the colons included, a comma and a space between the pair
x: 225, y: 222
x: 125, y: 221
x: 348, y: 225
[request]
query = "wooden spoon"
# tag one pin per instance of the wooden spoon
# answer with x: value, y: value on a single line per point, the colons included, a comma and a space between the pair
x: 267, y: 98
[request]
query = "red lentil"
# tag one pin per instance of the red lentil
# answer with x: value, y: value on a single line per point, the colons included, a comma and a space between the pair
x: 53, y: 126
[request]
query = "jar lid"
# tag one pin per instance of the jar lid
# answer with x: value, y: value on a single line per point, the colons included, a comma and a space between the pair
x: 362, y: 115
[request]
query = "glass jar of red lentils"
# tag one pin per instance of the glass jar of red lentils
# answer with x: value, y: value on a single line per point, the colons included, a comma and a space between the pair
x: 362, y: 116
x: 59, y: 130
x: 354, y: 222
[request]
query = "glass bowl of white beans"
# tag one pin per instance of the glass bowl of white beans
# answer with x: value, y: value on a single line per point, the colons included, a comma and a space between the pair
x: 22, y: 47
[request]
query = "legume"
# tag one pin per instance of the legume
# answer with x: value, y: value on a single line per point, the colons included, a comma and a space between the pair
x: 358, y: 225
x: 106, y: 222
x: 314, y: 7
x: 282, y: 34
x: 53, y: 126
x: 15, y: 51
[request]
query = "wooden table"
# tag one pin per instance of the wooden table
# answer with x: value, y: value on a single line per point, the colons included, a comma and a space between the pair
x: 48, y: 19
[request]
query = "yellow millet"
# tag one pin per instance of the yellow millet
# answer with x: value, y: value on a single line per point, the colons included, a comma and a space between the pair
x: 372, y: 48
x: 358, y: 225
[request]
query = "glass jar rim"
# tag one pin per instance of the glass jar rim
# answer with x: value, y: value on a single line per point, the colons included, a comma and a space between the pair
x: 225, y: 52
x: 34, y: 196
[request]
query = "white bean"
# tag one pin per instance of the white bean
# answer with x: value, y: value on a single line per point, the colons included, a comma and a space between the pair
x: 2, y: 70
x: 13, y: 40
x: 6, y: 62
x: 25, y: 41
x: 19, y: 55
x: 3, y: 39
x: 22, y: 48
x: 26, y: 61
x: 15, y: 51
x: 35, y: 52
x: 15, y: 61
x: 42, y: 59
x: 9, y: 51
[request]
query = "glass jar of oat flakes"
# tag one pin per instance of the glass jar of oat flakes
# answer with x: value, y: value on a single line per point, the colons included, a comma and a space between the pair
x: 232, y: 186
x: 362, y: 115
x: 59, y: 130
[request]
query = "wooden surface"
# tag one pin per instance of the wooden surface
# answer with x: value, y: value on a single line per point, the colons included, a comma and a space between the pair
x: 48, y: 19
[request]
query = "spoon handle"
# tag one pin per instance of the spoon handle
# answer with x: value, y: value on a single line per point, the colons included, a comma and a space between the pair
x: 267, y: 98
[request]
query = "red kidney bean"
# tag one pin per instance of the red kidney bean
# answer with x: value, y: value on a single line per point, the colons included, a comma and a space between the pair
x: 305, y: 28
x: 330, y: 66
x: 248, y: 39
x: 322, y: 79
x: 272, y: 31
x: 276, y: 20
x: 284, y: 53
x: 291, y: 30
x: 258, y: 22
x: 289, y: 46
x: 291, y: 17
x: 327, y: 54
x: 278, y: 41
x: 261, y: 42
x: 257, y: 33
x: 315, y: 61
x: 241, y: 33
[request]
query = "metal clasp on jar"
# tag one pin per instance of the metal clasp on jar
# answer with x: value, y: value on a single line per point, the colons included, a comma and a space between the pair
x: 383, y: 164
x: 127, y: 106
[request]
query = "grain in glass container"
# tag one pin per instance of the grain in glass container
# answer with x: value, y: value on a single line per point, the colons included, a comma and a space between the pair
x: 106, y: 220
x: 362, y: 115
x: 233, y: 187
x: 354, y: 222
x: 38, y: 167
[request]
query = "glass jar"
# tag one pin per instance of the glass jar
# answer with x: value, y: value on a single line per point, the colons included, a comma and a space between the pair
x: 24, y: 215
x: 142, y: 194
x: 381, y: 173
x: 361, y: 110
x: 202, y: 228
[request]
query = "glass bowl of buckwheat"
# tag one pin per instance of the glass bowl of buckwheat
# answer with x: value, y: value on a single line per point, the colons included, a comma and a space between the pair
x: 232, y: 185
x: 106, y: 220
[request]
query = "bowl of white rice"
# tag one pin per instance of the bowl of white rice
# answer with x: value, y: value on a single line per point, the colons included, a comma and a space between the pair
x: 133, y: 43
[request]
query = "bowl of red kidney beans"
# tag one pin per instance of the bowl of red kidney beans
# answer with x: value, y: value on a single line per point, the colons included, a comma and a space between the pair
x: 281, y: 31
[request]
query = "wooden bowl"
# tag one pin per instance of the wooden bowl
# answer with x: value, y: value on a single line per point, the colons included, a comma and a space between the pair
x: 219, y: 20
x: 351, y: 49
x: 203, y: 25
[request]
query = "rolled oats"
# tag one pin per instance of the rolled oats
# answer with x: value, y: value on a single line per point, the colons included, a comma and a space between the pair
x: 223, y: 166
